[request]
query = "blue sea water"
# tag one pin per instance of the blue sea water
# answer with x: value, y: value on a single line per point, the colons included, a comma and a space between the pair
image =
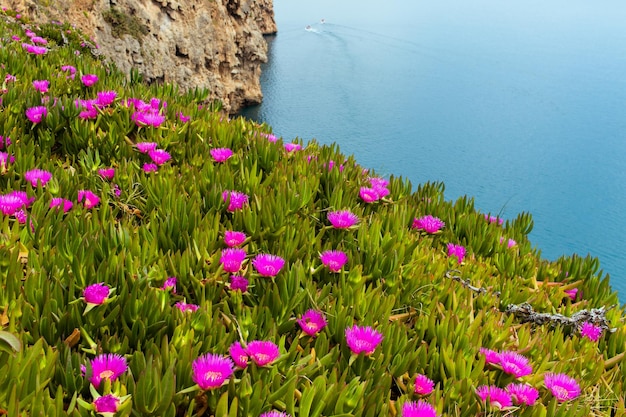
x: 520, y: 104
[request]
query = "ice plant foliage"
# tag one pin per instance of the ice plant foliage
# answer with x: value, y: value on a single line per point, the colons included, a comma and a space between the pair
x: 334, y: 260
x: 495, y: 396
x: 363, y: 339
x: 428, y: 224
x: 262, y: 352
x: 268, y: 265
x: 423, y: 385
x: 563, y: 387
x: 342, y: 219
x: 210, y: 371
x: 418, y: 409
x: 312, y: 322
x: 107, y: 366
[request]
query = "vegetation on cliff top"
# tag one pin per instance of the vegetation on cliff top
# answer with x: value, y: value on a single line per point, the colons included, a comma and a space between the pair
x: 158, y: 258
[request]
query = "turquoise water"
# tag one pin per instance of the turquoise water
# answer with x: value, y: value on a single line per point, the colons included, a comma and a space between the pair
x: 521, y: 105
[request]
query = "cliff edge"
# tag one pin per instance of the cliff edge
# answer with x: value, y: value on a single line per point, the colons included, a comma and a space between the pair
x: 214, y: 44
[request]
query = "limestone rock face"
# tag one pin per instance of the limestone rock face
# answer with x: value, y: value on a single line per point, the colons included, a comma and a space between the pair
x: 214, y: 44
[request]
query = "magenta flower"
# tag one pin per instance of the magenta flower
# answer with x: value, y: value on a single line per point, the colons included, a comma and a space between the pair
x: 418, y: 409
x: 363, y: 339
x: 148, y: 118
x: 4, y: 142
x: 186, y: 308
x: 232, y: 238
x: 90, y: 199
x: 563, y: 387
x: 159, y: 156
x: 170, y: 284
x: 497, y: 397
x: 262, y: 352
x: 235, y: 200
x: 456, y: 250
x: 59, y: 202
x: 369, y: 195
x: 147, y: 168
x: 312, y: 322
x: 6, y: 159
x: 89, y: 79
x: 70, y: 69
x: 380, y: 186
x: 238, y: 283
x: 107, y: 173
x: 591, y: 331
x: 491, y: 356
x: 274, y: 413
x: 232, y: 259
x: 12, y: 203
x: 342, y: 219
x: 572, y: 293
x: 270, y: 138
x: 183, y: 118
x: 221, y: 154
x: 39, y: 40
x: 515, y: 364
x: 105, y: 98
x: 292, y: 147
x: 334, y: 260
x: 21, y: 217
x: 107, y: 366
x: 36, y: 114
x: 35, y: 176
x: 41, y: 85
x: 35, y: 50
x: 210, y: 371
x: 494, y: 219
x: 146, y: 147
x: 106, y: 405
x: 239, y: 355
x: 428, y: 223
x: 522, y: 394
x: 510, y: 243
x: 96, y: 293
x: 268, y: 265
x: 423, y: 385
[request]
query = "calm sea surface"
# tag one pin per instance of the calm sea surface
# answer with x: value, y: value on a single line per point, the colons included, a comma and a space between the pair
x: 520, y: 104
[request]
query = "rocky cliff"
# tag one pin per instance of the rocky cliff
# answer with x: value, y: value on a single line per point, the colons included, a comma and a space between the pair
x: 216, y: 44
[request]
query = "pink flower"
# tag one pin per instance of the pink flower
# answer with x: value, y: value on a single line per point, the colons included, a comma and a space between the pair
x: 238, y: 283
x: 35, y: 50
x: 511, y: 243
x: 235, y: 200
x: 21, y: 217
x: 334, y: 260
x: 563, y: 387
x: 268, y: 265
x: 292, y: 147
x: 362, y: 339
x: 4, y: 142
x: 232, y: 259
x: 70, y: 69
x: 523, y: 394
x: 456, y: 250
x: 369, y: 195
x: 183, y: 118
x: 169, y: 284
x: 493, y: 219
x: 572, y: 293
x: 429, y: 224
x: 186, y: 308
x: 106, y: 405
x: 35, y: 176
x: 104, y: 98
x: 147, y: 167
x: 591, y: 331
x: 515, y: 364
x: 418, y: 409
x: 36, y: 114
x: 491, y: 356
x: 89, y: 79
x: 380, y: 186
x: 497, y: 397
x: 274, y: 413
x: 342, y: 219
x: 91, y: 200
x: 232, y: 238
x: 423, y: 385
x: 148, y: 118
x: 107, y: 366
x: 39, y: 40
x: 96, y: 293
x: 239, y: 355
x: 89, y: 113
x: 262, y: 352
x: 145, y: 147
x: 221, y: 154
x: 41, y: 85
x: 107, y: 173
x: 210, y: 371
x: 159, y: 156
x: 10, y: 204
x: 312, y: 322
x: 61, y: 203
x: 5, y: 160
x: 270, y: 137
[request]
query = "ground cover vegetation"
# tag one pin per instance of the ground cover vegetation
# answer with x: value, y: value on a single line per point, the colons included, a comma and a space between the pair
x: 159, y: 258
